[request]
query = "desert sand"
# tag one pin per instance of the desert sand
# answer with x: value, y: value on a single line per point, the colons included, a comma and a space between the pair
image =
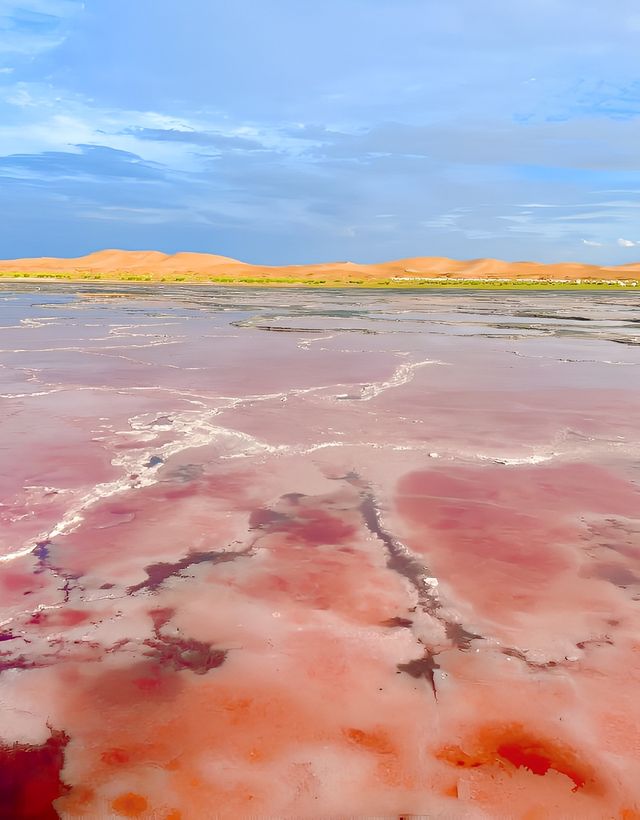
x: 156, y: 266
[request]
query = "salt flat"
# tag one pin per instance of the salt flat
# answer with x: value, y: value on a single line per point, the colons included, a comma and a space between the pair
x: 302, y: 553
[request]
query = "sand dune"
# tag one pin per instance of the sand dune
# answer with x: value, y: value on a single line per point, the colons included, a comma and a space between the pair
x: 203, y: 266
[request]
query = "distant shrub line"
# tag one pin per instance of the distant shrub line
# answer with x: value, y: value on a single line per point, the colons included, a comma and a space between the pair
x: 395, y: 283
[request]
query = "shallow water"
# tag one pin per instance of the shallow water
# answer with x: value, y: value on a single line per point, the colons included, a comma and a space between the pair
x: 319, y: 553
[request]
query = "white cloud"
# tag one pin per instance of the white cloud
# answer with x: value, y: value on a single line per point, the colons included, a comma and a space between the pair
x: 36, y: 117
x: 591, y: 243
x: 626, y: 243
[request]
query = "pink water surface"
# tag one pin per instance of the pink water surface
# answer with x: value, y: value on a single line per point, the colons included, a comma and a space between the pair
x: 319, y: 554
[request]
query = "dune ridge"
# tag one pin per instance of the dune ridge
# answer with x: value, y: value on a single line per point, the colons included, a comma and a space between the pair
x: 157, y: 266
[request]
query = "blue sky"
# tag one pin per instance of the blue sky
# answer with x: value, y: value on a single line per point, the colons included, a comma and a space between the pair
x: 284, y: 131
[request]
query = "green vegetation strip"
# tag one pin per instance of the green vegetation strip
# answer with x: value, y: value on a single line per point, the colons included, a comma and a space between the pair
x: 402, y: 284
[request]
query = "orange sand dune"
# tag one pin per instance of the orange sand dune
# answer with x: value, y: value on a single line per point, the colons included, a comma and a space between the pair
x: 202, y: 266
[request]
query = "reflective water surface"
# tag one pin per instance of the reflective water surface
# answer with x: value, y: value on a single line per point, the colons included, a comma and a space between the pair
x: 299, y: 554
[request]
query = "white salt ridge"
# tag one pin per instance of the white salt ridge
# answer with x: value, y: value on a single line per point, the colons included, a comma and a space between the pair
x: 121, y: 330
x: 195, y: 430
x: 32, y: 395
x: 515, y: 461
x: 575, y: 361
x: 376, y: 445
x: 39, y: 321
x: 403, y: 374
x: 304, y: 344
x: 92, y: 350
x: 570, y: 450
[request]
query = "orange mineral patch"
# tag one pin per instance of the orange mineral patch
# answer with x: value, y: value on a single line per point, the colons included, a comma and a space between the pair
x: 515, y: 746
x: 375, y: 741
x: 130, y: 805
x: 115, y: 757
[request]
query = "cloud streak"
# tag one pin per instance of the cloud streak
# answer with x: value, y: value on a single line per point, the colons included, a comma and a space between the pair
x: 30, y: 27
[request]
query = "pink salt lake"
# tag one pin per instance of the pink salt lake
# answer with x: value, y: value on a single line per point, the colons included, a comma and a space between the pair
x: 319, y: 554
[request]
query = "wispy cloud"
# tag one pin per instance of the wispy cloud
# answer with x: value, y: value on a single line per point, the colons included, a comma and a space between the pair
x: 30, y: 27
x: 39, y: 117
x: 206, y: 139
x: 88, y: 162
x: 627, y: 243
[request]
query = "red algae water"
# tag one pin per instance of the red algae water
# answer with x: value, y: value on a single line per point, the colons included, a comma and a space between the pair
x: 319, y: 554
